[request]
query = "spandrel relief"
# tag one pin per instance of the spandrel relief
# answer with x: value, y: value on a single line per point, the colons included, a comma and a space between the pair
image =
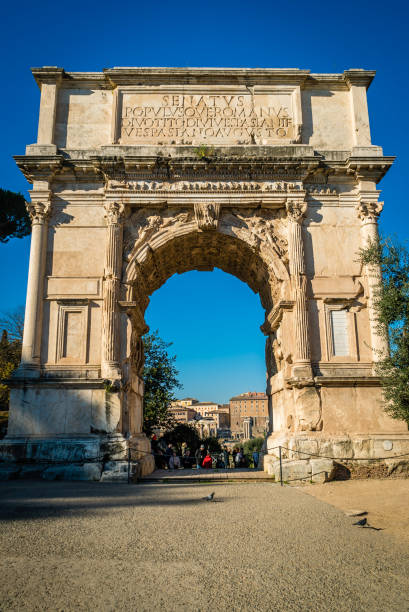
x: 264, y: 232
x: 146, y: 223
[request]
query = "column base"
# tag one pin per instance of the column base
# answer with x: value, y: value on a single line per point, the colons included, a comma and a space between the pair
x: 304, y: 453
x: 66, y: 457
x: 27, y: 370
x: 111, y: 370
x: 302, y: 370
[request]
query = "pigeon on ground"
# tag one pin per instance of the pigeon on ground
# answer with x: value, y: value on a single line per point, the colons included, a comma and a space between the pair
x: 364, y: 523
x: 209, y: 497
x: 361, y: 523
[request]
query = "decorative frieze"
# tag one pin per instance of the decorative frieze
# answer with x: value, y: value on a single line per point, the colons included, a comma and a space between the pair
x: 201, y: 186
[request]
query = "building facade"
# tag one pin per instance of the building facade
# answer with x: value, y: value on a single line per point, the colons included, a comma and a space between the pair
x: 141, y: 173
x: 207, y: 408
x: 185, y: 402
x: 252, y: 405
x: 182, y: 414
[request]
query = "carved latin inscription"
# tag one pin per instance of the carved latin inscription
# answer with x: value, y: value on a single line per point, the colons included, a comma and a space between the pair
x: 246, y: 118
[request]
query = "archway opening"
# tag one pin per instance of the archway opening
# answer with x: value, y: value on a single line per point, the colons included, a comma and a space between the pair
x: 213, y: 321
x: 150, y: 267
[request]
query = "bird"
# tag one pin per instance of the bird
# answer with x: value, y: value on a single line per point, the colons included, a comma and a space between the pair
x: 362, y: 523
x: 209, y: 497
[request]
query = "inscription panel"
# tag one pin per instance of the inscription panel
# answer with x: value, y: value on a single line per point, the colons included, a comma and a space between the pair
x: 243, y: 116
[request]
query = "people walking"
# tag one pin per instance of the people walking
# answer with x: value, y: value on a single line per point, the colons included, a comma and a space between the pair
x: 256, y: 458
x: 226, y: 457
x: 174, y: 462
x: 200, y: 454
x: 160, y: 460
x: 239, y: 459
x: 207, y: 461
x: 188, y: 460
x: 168, y: 453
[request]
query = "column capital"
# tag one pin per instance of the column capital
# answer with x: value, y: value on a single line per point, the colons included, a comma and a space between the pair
x: 369, y: 212
x: 114, y: 212
x: 38, y: 211
x: 296, y: 210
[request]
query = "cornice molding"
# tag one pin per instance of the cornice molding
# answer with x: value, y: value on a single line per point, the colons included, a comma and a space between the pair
x: 123, y: 76
x: 48, y: 74
x: 270, y: 164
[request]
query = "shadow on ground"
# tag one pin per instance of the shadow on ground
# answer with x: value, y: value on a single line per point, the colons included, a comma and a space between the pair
x: 38, y: 500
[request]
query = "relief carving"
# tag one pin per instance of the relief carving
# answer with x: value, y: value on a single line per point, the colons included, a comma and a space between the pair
x: 38, y: 212
x: 137, y: 356
x: 369, y: 211
x: 114, y: 212
x: 145, y: 223
x: 202, y: 186
x: 263, y: 232
x: 296, y: 209
x: 207, y: 216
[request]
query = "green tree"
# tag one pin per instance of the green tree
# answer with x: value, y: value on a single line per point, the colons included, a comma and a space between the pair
x: 253, y: 444
x: 212, y: 444
x: 10, y: 353
x: 14, y: 219
x: 182, y: 432
x: 391, y: 305
x: 161, y: 380
x: 13, y: 323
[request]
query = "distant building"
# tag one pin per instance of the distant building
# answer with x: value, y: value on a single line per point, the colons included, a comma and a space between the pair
x: 205, y: 408
x: 252, y: 404
x: 205, y: 426
x: 186, y: 401
x: 209, y: 418
x: 182, y: 414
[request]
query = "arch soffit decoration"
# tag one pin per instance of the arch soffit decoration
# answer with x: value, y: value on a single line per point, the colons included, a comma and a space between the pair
x: 250, y: 244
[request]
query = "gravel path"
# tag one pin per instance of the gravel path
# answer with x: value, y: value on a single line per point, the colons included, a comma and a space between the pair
x: 90, y: 546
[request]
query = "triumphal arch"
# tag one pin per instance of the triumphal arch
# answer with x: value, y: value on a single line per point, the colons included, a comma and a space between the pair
x: 141, y: 173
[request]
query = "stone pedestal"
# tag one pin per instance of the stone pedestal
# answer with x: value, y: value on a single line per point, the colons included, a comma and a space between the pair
x: 96, y: 457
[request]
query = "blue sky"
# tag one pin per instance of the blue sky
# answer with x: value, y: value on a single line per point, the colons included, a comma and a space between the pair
x: 219, y: 354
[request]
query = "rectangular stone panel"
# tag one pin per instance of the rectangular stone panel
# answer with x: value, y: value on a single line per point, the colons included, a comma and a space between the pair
x: 60, y: 287
x: 257, y: 115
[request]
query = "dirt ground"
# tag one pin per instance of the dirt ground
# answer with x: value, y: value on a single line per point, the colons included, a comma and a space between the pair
x: 386, y: 501
x: 77, y: 546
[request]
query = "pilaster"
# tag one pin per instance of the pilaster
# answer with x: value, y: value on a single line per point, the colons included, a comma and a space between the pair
x: 358, y: 82
x: 51, y: 77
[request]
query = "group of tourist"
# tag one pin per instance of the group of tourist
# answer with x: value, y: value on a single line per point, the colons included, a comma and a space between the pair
x: 168, y: 458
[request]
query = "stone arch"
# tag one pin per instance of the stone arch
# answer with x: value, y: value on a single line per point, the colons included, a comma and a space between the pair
x: 250, y: 244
